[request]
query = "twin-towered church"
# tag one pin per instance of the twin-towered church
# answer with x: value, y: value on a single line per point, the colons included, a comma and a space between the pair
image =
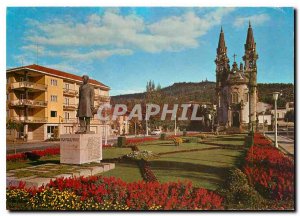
x: 236, y: 87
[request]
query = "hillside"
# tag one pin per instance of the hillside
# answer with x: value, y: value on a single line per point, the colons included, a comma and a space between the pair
x: 205, y: 92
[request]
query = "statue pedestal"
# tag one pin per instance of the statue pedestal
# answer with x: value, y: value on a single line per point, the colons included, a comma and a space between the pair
x: 80, y: 148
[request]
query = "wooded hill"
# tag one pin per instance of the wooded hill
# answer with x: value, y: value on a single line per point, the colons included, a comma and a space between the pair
x: 204, y: 92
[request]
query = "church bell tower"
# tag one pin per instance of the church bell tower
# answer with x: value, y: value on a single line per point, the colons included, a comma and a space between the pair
x: 222, y: 70
x: 250, y: 69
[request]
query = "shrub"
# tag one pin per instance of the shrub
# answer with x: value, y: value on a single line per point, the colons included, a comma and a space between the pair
x: 190, y: 140
x: 177, y: 141
x: 163, y: 136
x: 121, y: 141
x: 32, y: 156
x: 202, y: 136
x: 238, y: 193
x: 145, y: 155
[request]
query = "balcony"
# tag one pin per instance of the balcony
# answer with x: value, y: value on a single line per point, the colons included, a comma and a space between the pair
x: 27, y: 85
x: 94, y: 121
x: 70, y: 106
x: 30, y: 119
x: 70, y: 121
x: 70, y: 92
x: 26, y: 102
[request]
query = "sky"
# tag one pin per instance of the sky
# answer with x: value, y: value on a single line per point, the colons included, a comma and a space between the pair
x: 124, y: 47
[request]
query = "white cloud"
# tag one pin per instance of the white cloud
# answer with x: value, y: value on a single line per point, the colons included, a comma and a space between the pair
x: 116, y: 34
x: 75, y: 54
x: 255, y: 19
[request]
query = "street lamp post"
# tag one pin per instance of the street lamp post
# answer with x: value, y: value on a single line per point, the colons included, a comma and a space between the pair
x: 147, y: 121
x: 275, y: 97
x: 264, y: 122
x: 213, y: 117
x: 135, y: 128
x: 175, y: 124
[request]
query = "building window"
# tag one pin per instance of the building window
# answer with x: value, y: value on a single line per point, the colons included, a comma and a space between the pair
x: 235, y: 97
x: 50, y: 130
x: 67, y: 115
x: 54, y: 98
x: 53, y: 114
x: 67, y: 86
x: 277, y: 115
x: 7, y: 113
x: 246, y: 97
x: 53, y: 82
x: 7, y: 96
x: 22, y: 96
x: 67, y: 100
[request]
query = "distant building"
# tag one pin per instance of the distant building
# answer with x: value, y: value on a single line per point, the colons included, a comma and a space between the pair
x: 236, y: 87
x: 281, y: 111
x: 44, y: 99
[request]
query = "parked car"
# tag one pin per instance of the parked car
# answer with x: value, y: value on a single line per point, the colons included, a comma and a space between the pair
x: 156, y: 132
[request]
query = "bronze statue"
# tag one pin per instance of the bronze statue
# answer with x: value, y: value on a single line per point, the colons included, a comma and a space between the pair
x: 86, y: 105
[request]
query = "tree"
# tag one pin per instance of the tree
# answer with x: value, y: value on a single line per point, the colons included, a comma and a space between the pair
x: 13, y: 125
x: 290, y: 116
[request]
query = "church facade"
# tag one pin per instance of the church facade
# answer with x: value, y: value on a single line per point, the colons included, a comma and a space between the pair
x: 236, y: 86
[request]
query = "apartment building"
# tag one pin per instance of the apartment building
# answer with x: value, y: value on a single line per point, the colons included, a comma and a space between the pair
x: 44, y: 100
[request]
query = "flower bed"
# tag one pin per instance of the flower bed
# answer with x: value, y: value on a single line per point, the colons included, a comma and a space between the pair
x: 130, y: 141
x: 269, y: 170
x: 100, y: 193
x: 40, y: 153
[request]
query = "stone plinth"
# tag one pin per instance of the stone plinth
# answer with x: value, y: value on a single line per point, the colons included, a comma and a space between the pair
x: 80, y: 148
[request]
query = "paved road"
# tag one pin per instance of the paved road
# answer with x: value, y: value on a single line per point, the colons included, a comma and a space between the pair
x: 286, y: 144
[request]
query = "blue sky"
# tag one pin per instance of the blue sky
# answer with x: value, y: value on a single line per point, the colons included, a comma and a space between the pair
x: 126, y: 47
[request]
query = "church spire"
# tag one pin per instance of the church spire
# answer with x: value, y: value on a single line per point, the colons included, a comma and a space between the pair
x: 250, y: 43
x: 221, y: 46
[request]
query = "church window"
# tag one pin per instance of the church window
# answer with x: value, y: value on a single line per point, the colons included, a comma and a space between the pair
x: 246, y: 97
x: 235, y: 97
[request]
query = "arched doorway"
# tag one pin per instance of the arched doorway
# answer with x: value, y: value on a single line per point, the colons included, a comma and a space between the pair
x: 236, y: 119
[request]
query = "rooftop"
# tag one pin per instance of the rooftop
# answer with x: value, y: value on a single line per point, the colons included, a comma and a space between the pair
x: 58, y: 73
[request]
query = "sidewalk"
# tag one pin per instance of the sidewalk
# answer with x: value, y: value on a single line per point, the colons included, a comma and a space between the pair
x: 40, y: 145
x: 285, y: 144
x: 23, y: 147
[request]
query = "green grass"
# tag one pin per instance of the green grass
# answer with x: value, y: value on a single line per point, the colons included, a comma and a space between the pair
x: 115, y: 152
x: 169, y: 147
x: 206, y: 168
x: 23, y: 164
x: 127, y: 172
x: 236, y: 139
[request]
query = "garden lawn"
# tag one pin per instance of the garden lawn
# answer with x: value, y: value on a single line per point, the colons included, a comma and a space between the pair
x: 125, y: 171
x: 205, y: 168
x: 167, y: 146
